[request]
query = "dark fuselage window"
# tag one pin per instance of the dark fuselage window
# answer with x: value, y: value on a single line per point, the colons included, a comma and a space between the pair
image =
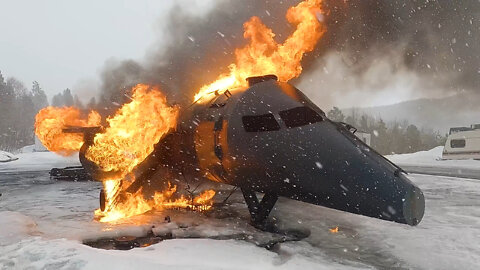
x: 300, y: 116
x: 259, y: 123
x: 458, y: 143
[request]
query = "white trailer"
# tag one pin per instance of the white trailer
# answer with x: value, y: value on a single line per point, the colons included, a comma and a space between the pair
x: 463, y: 144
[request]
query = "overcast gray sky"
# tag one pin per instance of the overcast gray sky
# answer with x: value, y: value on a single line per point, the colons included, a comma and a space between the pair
x: 63, y: 44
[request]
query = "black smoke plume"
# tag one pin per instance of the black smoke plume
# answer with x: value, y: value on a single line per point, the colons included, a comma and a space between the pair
x: 437, y: 42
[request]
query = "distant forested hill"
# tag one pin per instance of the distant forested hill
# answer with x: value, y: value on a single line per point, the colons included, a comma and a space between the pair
x: 437, y: 114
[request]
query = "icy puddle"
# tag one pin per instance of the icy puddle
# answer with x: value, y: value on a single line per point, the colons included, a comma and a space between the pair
x: 46, y: 224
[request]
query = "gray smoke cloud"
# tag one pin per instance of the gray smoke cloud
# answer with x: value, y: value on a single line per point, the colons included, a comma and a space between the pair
x: 395, y: 49
x: 426, y: 47
x: 433, y: 37
x: 199, y: 49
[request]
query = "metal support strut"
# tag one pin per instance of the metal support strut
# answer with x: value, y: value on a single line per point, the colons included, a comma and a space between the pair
x: 259, y: 211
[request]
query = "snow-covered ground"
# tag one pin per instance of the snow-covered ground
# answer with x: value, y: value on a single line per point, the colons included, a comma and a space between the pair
x: 36, y: 161
x: 44, y: 222
x: 6, y: 157
x: 432, y: 158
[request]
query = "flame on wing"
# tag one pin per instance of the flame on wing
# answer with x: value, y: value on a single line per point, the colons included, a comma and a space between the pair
x: 51, y: 121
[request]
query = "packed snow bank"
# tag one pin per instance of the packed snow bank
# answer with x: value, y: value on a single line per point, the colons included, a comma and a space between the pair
x: 27, y: 149
x: 434, y: 154
x: 7, y: 157
x: 208, y: 254
x: 433, y: 158
x: 38, y: 161
x: 14, y: 227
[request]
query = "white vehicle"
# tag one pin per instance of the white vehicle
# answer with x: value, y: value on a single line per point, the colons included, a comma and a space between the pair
x: 365, y: 137
x: 463, y: 143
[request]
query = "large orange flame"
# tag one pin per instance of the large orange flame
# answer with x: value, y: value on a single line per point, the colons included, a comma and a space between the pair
x: 50, y: 123
x: 129, y: 138
x: 263, y: 55
x: 133, y: 131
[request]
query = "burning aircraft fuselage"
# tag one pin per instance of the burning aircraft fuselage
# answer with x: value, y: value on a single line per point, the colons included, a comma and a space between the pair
x: 270, y: 138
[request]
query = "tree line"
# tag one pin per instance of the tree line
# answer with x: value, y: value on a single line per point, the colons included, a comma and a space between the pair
x: 103, y: 106
x: 18, y: 107
x: 395, y: 137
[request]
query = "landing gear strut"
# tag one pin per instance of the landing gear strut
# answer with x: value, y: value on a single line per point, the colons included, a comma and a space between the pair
x: 259, y: 211
x: 102, y: 200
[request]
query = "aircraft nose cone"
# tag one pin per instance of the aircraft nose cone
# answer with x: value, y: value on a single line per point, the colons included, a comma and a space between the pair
x: 413, y: 206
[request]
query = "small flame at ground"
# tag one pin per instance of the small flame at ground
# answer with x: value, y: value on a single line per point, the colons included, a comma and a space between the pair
x: 334, y: 230
x: 263, y: 55
x: 49, y: 125
x: 135, y: 204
